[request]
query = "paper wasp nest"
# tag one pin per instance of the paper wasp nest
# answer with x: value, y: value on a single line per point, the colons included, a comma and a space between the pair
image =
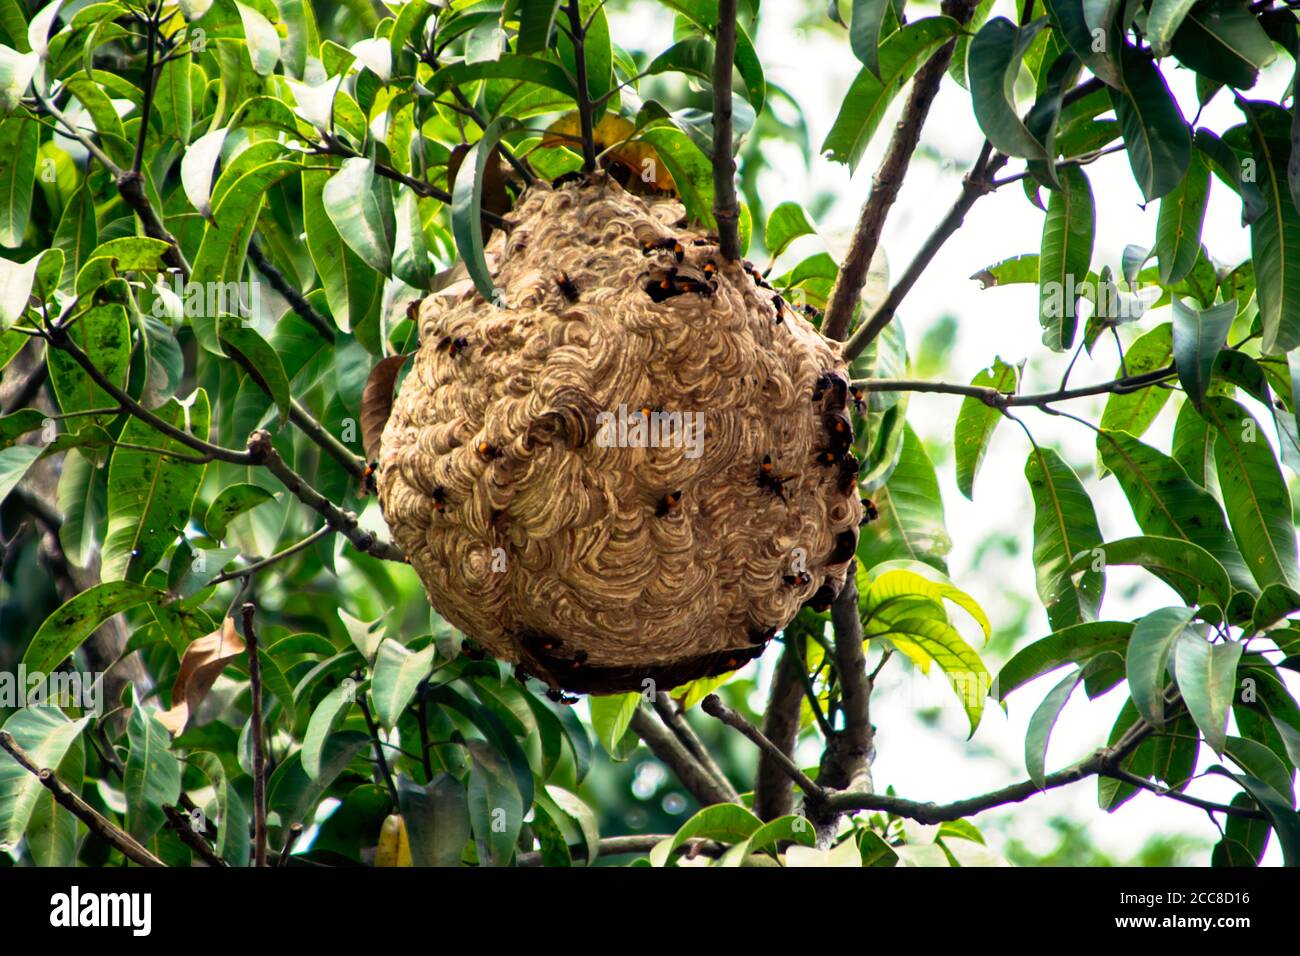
x: 519, y: 469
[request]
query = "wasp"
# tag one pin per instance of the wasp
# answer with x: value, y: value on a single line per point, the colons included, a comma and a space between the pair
x: 488, y: 451
x: 859, y: 403
x: 453, y: 346
x: 710, y: 268
x: 439, y: 497
x: 579, y: 659
x: 572, y: 176
x: 797, y: 580
x: 825, y: 458
x: 665, y: 288
x: 762, y: 637
x: 470, y: 651
x: 666, y: 244
x: 779, y: 304
x: 560, y: 697
x: 869, y: 511
x: 368, y: 478
x: 812, y: 312
x: 668, y: 504
x: 753, y: 273
x: 768, y: 479
x: 567, y: 288
x: 848, y: 477
x: 839, y: 432
x: 823, y: 382
x: 822, y: 598
x: 846, y: 543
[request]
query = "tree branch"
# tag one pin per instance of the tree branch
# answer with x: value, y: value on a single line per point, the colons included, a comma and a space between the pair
x: 773, y: 796
x: 583, y: 91
x: 297, y: 301
x: 664, y: 745
x: 180, y: 825
x: 726, y: 209
x: 622, y: 845
x: 846, y: 763
x: 888, y: 179
x: 259, y: 747
x: 996, y: 399
x: 262, y: 452
x: 714, y: 707
x: 675, y: 720
x: 99, y: 825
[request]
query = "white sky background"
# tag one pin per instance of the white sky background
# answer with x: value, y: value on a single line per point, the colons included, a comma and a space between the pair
x: 938, y: 764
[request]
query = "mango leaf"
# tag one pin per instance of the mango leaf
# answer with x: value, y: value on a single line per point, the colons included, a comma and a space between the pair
x: 150, y: 495
x: 724, y: 822
x: 64, y: 631
x: 864, y: 31
x: 536, y: 19
x: 1178, y: 228
x: 1133, y: 412
x: 1078, y: 644
x: 1064, y: 258
x: 993, y: 63
x: 201, y: 665
x: 397, y: 674
x: 1207, y: 677
x: 1199, y: 336
x: 104, y: 334
x: 1041, y: 724
x: 1254, y: 493
x: 1166, y: 503
x: 152, y: 776
x: 294, y: 795
x: 911, y: 523
x: 232, y: 502
x: 18, y: 148
x: 1163, y: 21
x: 351, y: 287
x: 942, y: 643
x: 1064, y: 525
x: 361, y: 208
x: 1187, y: 567
x: 786, y: 223
x: 610, y: 717
x: 437, y: 819
x: 869, y: 95
x: 1285, y: 820
x: 1158, y: 140
x: 320, y: 727
x: 47, y: 735
x: 496, y: 810
x: 232, y: 843
x: 467, y: 208
x: 1154, y: 637
x: 1224, y: 42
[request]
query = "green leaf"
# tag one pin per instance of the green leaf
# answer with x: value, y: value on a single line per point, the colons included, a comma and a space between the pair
x: 53, y: 833
x: 437, y: 819
x: 323, y: 720
x: 1163, y: 21
x: 150, y: 495
x: 1017, y: 269
x: 1187, y: 567
x: 689, y: 168
x: 14, y: 463
x: 864, y: 31
x: 1041, y: 724
x: 16, y: 280
x: 261, y: 361
x: 231, y: 843
x: 944, y: 644
x: 1259, y: 761
x: 869, y: 96
x: 467, y: 207
x: 610, y: 717
x: 18, y: 147
x: 993, y: 63
x: 1076, y: 20
x: 786, y: 223
x: 198, y: 165
x: 1275, y: 235
x: 64, y: 631
x: 104, y: 334
x: 263, y: 40
x: 294, y: 795
x: 152, y: 776
x: 1178, y: 228
x: 1168, y: 504
x: 351, y: 287
x: 397, y: 674
x: 1254, y: 493
x: 76, y: 234
x: 232, y: 502
x: 46, y: 734
x: 726, y: 823
x: 976, y: 422
x: 911, y: 523
x: 1154, y: 638
x: 1133, y: 412
x: 1065, y: 256
x: 1285, y: 820
x: 1224, y: 41
x: 1207, y: 676
x: 1064, y: 525
x: 1078, y: 644
x: 172, y: 99
x: 536, y: 19
x: 496, y: 810
x: 361, y: 208
x: 1199, y: 336
x: 1159, y: 143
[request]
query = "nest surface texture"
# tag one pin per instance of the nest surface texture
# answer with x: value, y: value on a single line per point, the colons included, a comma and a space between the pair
x: 546, y: 524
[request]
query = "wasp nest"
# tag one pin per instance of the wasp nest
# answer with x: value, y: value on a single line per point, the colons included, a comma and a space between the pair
x: 635, y: 465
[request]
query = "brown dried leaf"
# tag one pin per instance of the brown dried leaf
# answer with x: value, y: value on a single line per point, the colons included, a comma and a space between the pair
x: 377, y: 401
x: 201, y: 665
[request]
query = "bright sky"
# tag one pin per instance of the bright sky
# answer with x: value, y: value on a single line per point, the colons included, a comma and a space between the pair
x: 938, y: 763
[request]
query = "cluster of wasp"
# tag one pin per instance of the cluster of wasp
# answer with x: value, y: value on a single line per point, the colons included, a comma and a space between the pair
x: 778, y: 300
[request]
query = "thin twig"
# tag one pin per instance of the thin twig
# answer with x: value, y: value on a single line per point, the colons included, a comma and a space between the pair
x: 997, y: 399
x: 273, y: 559
x: 377, y: 744
x: 259, y: 749
x: 675, y: 720
x: 180, y: 823
x: 714, y: 707
x: 583, y: 91
x: 297, y: 301
x: 677, y: 758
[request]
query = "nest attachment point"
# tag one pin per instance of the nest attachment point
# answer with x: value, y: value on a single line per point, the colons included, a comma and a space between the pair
x: 635, y: 466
